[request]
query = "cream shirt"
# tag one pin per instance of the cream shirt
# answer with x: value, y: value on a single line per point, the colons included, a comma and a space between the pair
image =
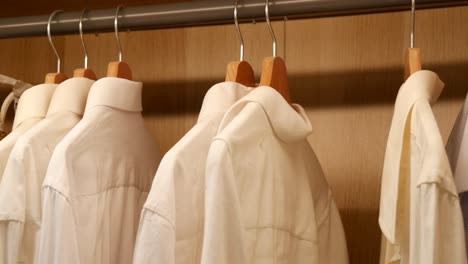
x: 266, y: 198
x: 32, y: 108
x: 420, y: 214
x: 98, y: 179
x: 20, y: 190
x: 171, y: 226
x: 457, y: 150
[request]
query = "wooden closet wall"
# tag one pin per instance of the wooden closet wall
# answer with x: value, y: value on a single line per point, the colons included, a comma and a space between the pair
x: 346, y: 72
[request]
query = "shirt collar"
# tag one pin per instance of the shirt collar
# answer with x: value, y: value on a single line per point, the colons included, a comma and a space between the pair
x: 220, y: 97
x: 289, y: 122
x: 422, y: 85
x: 70, y: 96
x: 34, y: 103
x: 117, y: 93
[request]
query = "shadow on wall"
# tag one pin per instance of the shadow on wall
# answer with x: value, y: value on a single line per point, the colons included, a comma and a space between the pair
x: 360, y: 226
x: 315, y: 90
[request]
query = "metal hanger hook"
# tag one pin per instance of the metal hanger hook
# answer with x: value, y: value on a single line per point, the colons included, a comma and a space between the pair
x: 116, y: 29
x: 272, y: 33
x: 239, y: 33
x: 49, y: 36
x: 413, y: 15
x: 82, y: 39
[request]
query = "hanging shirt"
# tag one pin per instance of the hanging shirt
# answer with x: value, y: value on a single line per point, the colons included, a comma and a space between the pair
x: 32, y: 108
x: 457, y: 150
x: 20, y: 189
x: 98, y: 179
x: 171, y: 226
x: 266, y: 198
x: 420, y: 214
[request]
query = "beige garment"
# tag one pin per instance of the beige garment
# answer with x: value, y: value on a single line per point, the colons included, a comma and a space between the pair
x: 457, y: 151
x: 171, y: 226
x: 266, y: 198
x: 32, y: 108
x: 20, y: 190
x: 420, y: 214
x: 18, y: 87
x: 98, y: 179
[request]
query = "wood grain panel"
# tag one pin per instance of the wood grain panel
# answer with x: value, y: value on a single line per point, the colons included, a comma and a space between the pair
x: 345, y: 71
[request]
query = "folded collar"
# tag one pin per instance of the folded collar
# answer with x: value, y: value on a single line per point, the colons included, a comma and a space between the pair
x: 290, y: 123
x: 70, y: 96
x: 220, y: 98
x: 117, y: 93
x: 34, y: 103
x: 422, y: 85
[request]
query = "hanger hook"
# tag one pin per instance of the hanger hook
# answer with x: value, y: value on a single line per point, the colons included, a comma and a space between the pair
x: 82, y: 39
x: 413, y: 14
x: 116, y: 29
x: 272, y: 33
x: 49, y: 36
x: 239, y: 33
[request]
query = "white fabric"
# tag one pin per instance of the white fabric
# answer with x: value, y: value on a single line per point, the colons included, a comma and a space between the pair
x: 32, y: 108
x: 171, y: 225
x: 266, y: 198
x: 457, y: 149
x: 98, y: 179
x: 20, y: 190
x: 420, y: 214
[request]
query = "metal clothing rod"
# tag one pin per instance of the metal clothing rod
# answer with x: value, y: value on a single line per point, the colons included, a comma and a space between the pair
x: 197, y: 13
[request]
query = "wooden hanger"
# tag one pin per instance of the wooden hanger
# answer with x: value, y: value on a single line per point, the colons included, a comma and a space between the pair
x: 240, y: 71
x: 413, y: 55
x: 412, y: 61
x: 119, y: 68
x: 56, y: 77
x: 84, y: 72
x: 274, y: 73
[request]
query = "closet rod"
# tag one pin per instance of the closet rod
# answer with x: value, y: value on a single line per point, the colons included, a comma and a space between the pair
x: 198, y: 13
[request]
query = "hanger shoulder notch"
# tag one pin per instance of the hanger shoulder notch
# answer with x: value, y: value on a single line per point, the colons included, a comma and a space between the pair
x: 412, y: 61
x: 85, y: 73
x: 55, y: 78
x: 119, y: 70
x: 240, y: 72
x: 274, y: 74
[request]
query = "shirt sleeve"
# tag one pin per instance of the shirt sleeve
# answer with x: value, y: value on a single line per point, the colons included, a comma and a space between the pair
x: 155, y: 240
x: 10, y: 241
x: 223, y: 241
x: 20, y: 204
x: 58, y: 241
x: 437, y: 232
x: 332, y: 239
x: 12, y: 211
x: 156, y: 237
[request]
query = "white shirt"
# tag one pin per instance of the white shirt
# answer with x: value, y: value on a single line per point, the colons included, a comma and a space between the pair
x: 266, y: 198
x: 171, y: 226
x: 420, y: 214
x: 20, y: 190
x: 457, y: 151
x: 98, y: 179
x: 32, y: 108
